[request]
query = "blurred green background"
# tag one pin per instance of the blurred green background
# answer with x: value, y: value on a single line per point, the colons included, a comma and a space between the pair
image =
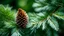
x: 15, y: 4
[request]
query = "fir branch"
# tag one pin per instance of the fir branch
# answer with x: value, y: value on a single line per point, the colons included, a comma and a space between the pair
x: 51, y: 13
x: 55, y: 10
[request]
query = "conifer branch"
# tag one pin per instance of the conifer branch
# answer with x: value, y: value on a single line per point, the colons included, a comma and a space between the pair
x: 52, y: 12
x: 55, y: 10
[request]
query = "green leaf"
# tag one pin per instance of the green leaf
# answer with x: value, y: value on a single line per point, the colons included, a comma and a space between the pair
x: 6, y: 16
x: 59, y: 15
x: 15, y: 32
x: 10, y: 24
x: 34, y: 27
x: 37, y: 5
x: 39, y: 24
x: 53, y: 23
x: 5, y: 11
x: 44, y: 25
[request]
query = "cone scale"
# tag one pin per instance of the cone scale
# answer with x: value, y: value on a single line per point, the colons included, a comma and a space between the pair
x: 22, y: 18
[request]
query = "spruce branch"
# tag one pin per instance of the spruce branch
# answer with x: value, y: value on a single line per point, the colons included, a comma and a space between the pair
x: 49, y: 13
x: 55, y: 10
x: 52, y: 12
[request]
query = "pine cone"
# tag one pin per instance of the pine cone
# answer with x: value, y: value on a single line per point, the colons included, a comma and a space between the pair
x: 22, y: 18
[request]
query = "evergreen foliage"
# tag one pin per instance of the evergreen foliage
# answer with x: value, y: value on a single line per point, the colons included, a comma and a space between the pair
x: 46, y: 20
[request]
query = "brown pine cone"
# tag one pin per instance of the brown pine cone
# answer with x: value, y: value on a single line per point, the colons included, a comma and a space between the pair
x: 22, y: 18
